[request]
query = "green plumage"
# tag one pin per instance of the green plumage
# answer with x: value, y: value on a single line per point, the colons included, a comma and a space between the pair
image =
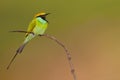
x: 37, y: 26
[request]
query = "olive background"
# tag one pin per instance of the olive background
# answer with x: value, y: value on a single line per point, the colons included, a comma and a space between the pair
x: 90, y: 29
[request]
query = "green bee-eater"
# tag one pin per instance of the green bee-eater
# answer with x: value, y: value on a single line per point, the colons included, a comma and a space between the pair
x: 37, y: 26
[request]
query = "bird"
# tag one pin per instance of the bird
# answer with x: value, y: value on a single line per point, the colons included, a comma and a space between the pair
x: 36, y: 27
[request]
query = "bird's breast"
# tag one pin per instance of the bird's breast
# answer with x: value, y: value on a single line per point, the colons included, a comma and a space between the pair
x: 40, y: 28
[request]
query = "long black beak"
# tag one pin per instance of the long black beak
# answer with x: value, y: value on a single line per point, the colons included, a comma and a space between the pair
x: 47, y: 14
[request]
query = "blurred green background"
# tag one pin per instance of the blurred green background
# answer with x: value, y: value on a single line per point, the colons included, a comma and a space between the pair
x: 89, y: 28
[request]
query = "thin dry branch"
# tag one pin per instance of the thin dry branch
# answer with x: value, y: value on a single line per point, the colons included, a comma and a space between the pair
x: 20, y: 31
x: 67, y: 53
x: 58, y: 42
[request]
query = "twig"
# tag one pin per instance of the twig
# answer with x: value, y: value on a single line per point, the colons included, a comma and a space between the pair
x: 22, y: 31
x: 67, y: 53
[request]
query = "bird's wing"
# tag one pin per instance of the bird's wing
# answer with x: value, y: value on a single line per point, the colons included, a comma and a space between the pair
x: 31, y: 26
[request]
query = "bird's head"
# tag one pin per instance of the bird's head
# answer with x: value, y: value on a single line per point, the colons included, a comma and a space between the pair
x: 41, y: 14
